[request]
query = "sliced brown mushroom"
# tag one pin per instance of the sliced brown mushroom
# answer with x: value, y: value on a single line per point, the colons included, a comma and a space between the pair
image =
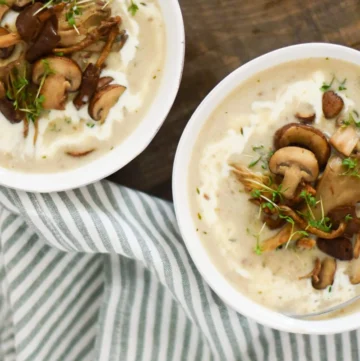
x: 305, y: 113
x: 55, y: 90
x: 7, y: 107
x: 332, y: 104
x: 295, y: 164
x: 306, y: 243
x: 103, y: 100
x: 61, y: 66
x: 105, y: 80
x: 66, y: 77
x: 45, y: 42
x: 314, y: 274
x: 345, y: 139
x: 334, y: 189
x: 339, y: 248
x: 326, y: 275
x: 78, y: 154
x: 28, y: 24
x: 5, y: 52
x: 347, y: 213
x: 304, y: 136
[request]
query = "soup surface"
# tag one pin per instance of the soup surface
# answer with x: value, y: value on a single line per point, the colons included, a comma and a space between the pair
x: 237, y: 200
x: 137, y: 66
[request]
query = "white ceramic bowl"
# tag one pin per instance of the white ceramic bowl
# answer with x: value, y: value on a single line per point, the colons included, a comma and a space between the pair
x: 138, y: 140
x: 181, y: 192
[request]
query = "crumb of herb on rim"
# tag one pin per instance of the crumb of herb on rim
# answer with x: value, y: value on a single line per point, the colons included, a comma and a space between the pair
x: 242, y: 131
x: 199, y: 216
x: 90, y: 125
x: 205, y: 232
x: 111, y: 148
x: 143, y: 4
x: 154, y: 77
x: 44, y: 157
x: 197, y: 190
x: 133, y: 8
x: 330, y: 288
x: 197, y: 229
x: 326, y: 58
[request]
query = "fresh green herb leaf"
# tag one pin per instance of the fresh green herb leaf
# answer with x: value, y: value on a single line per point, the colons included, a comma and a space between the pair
x: 133, y: 8
x: 59, y: 53
x: 348, y: 218
x: 309, y: 199
x: 90, y: 125
x: 253, y: 164
x: 3, y: 2
x: 330, y: 288
x: 287, y: 219
x: 325, y: 87
x: 342, y: 85
x: 197, y: 190
x: 351, y: 167
x: 199, y: 216
x: 258, y: 147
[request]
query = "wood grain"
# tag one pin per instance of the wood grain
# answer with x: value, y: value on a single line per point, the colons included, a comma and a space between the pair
x: 220, y: 36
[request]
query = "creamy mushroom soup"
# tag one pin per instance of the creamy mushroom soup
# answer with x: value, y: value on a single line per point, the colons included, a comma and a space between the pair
x: 275, y: 180
x: 77, y: 78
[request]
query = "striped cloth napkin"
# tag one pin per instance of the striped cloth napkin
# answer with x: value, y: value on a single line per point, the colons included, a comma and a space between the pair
x: 100, y: 273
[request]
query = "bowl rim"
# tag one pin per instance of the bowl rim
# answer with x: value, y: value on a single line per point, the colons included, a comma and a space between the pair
x: 181, y: 191
x: 138, y: 140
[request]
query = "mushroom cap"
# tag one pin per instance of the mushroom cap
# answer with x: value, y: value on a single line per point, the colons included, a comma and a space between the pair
x: 103, y: 100
x: 54, y: 90
x: 332, y: 104
x: 305, y: 136
x: 340, y: 248
x: 61, y: 66
x: 295, y: 157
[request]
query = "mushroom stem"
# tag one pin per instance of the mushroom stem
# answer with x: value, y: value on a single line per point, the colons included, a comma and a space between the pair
x: 107, y: 48
x: 292, y: 178
x: 280, y: 238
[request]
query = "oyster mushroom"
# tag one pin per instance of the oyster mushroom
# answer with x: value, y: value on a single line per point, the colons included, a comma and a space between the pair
x: 3, y: 10
x: 332, y: 104
x: 326, y: 275
x: 103, y: 100
x: 305, y: 136
x: 314, y: 274
x: 296, y: 165
x: 334, y: 189
x: 306, y: 243
x: 5, y: 52
x: 278, y: 239
x: 339, y: 248
x: 344, y: 140
x: 66, y: 77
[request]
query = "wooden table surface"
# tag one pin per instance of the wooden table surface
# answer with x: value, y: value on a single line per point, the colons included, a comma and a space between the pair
x: 220, y: 36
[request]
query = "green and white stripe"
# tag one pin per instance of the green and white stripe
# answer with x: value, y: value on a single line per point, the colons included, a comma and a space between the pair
x: 100, y: 273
